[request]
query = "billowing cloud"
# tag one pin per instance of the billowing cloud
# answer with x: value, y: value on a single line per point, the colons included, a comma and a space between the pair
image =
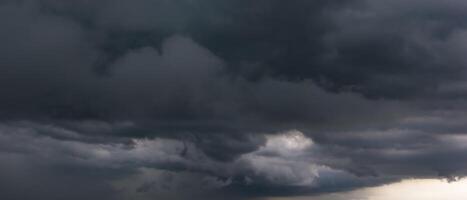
x: 217, y: 99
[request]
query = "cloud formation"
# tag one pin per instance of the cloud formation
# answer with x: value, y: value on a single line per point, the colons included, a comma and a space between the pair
x: 217, y: 99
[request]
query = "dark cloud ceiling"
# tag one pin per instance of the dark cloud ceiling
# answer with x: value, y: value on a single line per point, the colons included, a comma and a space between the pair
x: 216, y: 99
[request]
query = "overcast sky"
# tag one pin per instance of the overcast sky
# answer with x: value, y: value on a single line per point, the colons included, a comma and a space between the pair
x: 232, y: 99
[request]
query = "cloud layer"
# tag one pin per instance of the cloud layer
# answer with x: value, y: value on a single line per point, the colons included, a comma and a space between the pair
x: 217, y: 99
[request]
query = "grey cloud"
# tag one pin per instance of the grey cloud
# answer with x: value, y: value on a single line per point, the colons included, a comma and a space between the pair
x: 204, y: 91
x: 156, y: 167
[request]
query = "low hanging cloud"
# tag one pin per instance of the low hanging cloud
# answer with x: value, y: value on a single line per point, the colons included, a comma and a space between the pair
x: 228, y: 99
x: 158, y: 167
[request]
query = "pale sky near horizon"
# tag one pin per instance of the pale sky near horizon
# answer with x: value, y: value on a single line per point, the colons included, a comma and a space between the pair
x: 416, y: 189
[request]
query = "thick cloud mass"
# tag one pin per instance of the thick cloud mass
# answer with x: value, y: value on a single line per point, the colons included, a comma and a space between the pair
x: 211, y: 99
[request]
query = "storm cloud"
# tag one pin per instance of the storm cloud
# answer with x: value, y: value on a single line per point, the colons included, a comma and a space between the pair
x: 206, y: 99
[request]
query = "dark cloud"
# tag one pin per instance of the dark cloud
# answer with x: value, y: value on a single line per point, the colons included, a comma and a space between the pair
x: 228, y: 99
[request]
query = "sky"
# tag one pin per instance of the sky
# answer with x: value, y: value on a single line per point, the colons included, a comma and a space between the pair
x: 233, y: 99
x: 428, y: 189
